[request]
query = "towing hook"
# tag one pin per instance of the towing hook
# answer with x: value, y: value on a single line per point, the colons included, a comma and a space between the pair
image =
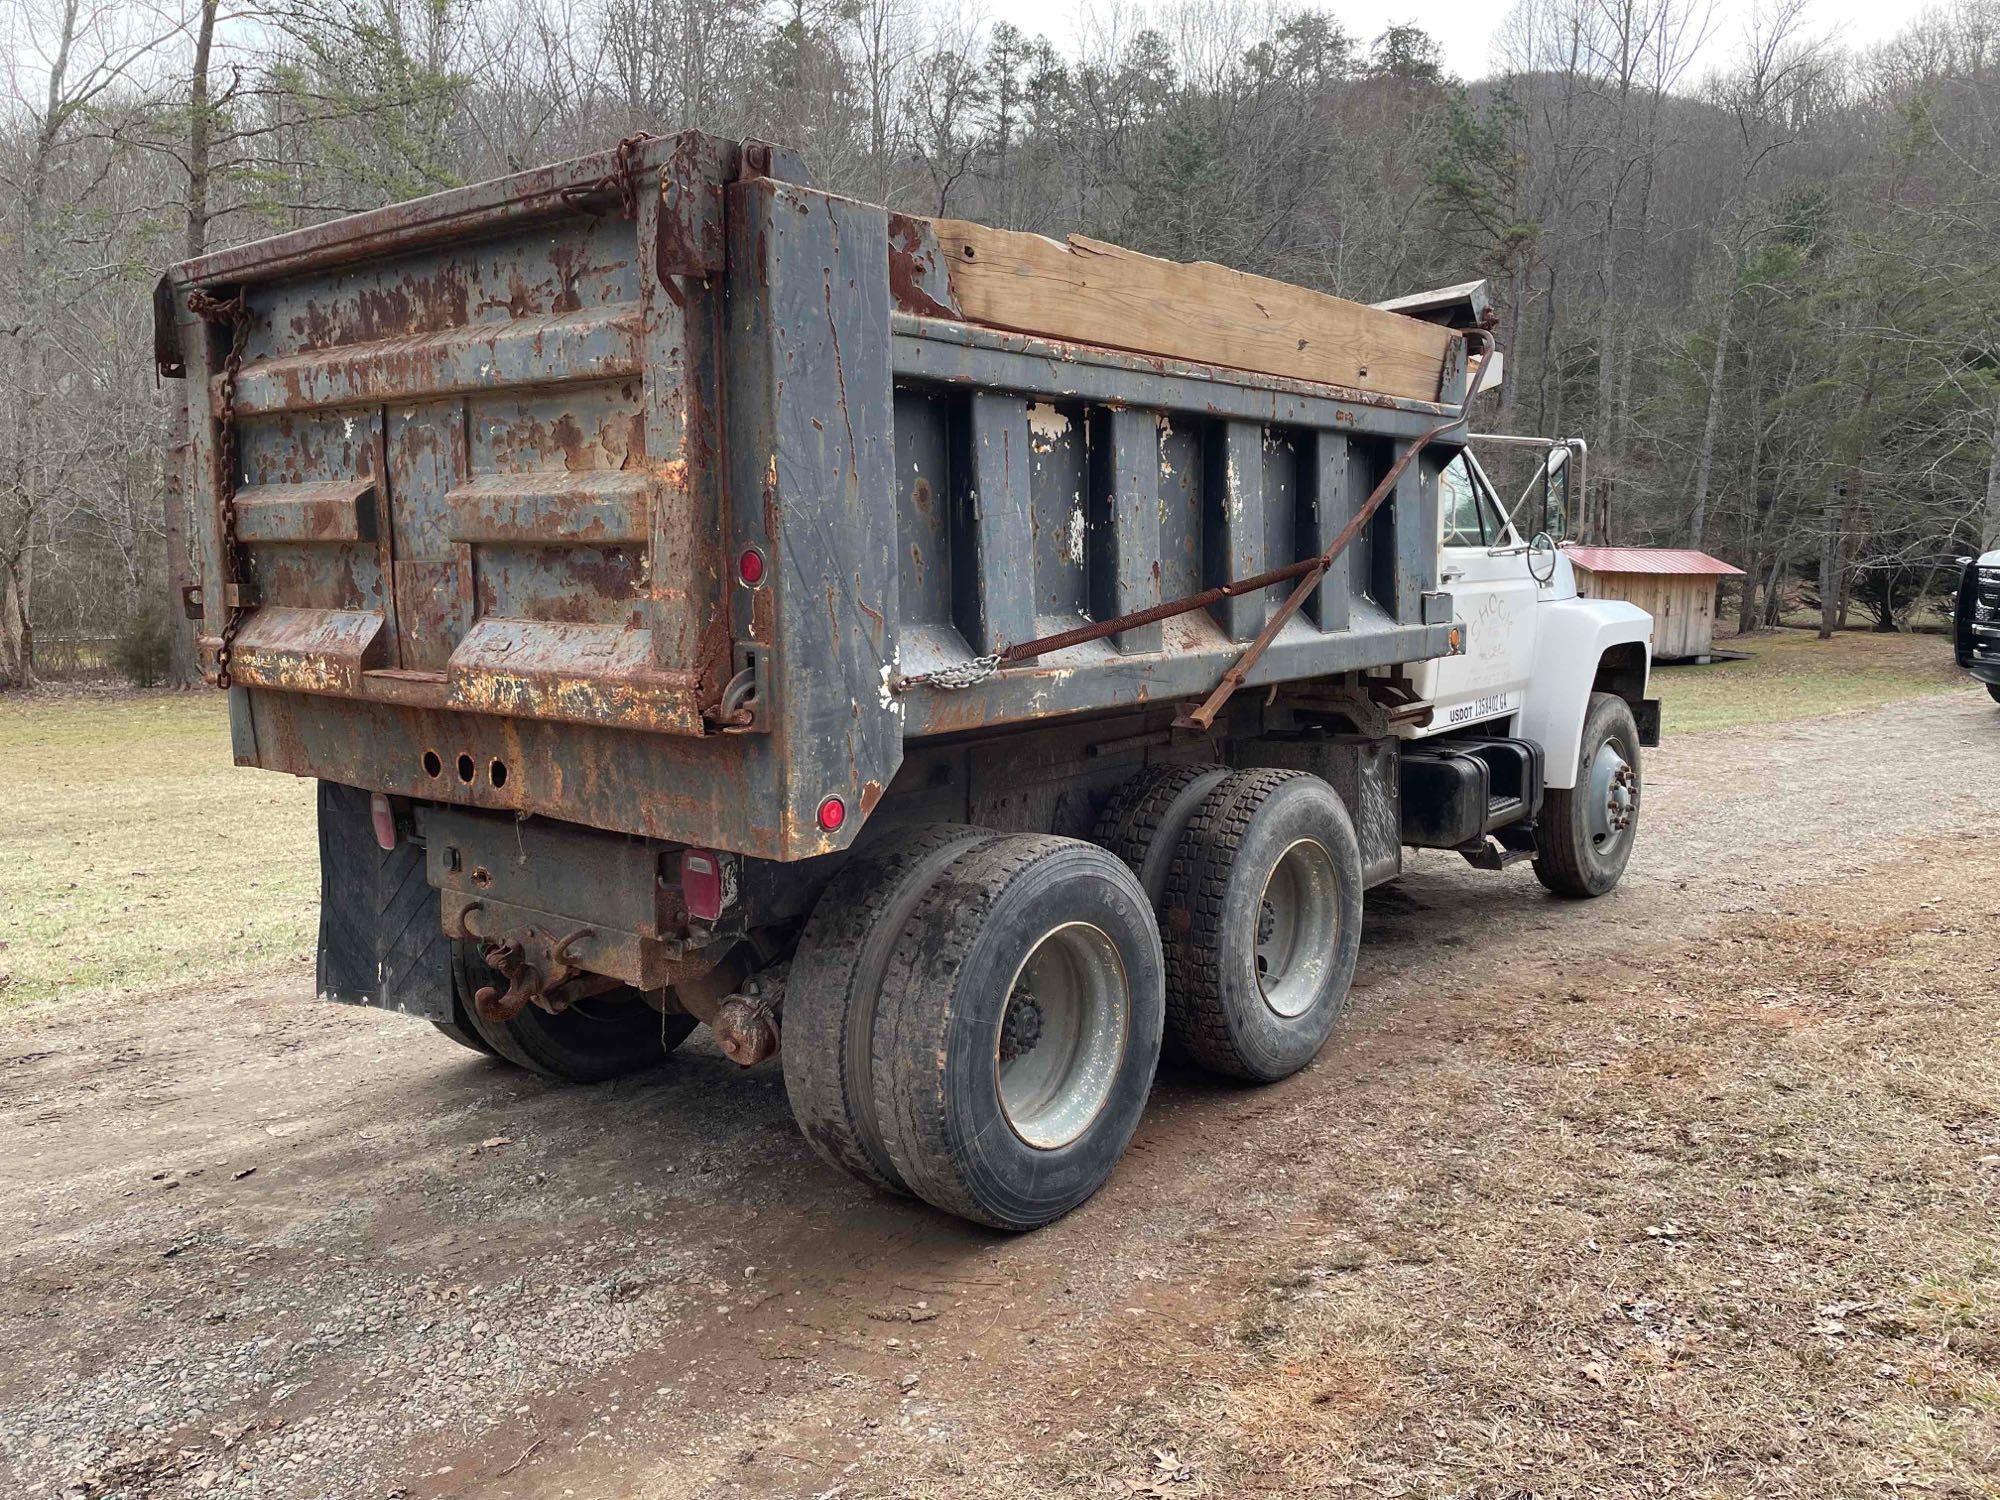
x: 524, y: 983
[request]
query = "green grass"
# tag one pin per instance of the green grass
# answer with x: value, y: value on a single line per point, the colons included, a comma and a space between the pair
x: 134, y: 854
x: 1791, y: 674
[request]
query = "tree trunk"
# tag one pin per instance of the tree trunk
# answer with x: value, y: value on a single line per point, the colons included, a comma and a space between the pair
x: 1711, y: 427
x: 184, y: 664
x: 1746, y: 604
x: 1831, y: 516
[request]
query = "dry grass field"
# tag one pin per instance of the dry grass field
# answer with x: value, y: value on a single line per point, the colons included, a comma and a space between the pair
x: 135, y: 854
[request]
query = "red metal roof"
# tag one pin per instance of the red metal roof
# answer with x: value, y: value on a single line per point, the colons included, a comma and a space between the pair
x: 1650, y: 560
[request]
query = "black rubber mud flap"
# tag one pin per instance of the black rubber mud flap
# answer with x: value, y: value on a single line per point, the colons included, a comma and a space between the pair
x: 379, y: 939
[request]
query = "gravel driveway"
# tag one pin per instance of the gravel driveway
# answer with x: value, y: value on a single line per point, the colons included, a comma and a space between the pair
x: 259, y: 1246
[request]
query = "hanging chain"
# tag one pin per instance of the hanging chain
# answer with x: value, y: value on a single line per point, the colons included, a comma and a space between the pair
x: 955, y: 678
x: 231, y: 313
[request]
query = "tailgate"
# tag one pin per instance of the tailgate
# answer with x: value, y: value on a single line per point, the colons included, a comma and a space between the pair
x: 459, y: 453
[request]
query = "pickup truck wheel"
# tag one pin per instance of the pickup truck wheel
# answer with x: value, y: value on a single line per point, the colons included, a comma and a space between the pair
x: 1993, y: 691
x: 1262, y: 920
x: 1143, y: 821
x: 1585, y: 833
x: 831, y: 993
x: 593, y: 1041
x: 1018, y: 1030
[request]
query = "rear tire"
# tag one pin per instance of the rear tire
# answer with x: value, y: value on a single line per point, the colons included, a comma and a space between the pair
x: 1143, y: 821
x: 1018, y: 1030
x: 1585, y: 833
x: 1262, y: 919
x: 459, y: 1028
x: 1993, y: 691
x: 833, y: 987
x: 594, y: 1041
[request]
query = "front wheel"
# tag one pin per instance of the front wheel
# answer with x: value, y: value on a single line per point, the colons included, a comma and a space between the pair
x: 1993, y: 691
x: 1585, y: 834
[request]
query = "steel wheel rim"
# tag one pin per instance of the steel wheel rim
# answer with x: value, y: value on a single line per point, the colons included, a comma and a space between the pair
x: 1062, y: 1035
x: 1298, y: 928
x: 1614, y: 798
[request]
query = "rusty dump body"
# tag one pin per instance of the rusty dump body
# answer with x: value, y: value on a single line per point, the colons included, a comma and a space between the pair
x: 633, y: 493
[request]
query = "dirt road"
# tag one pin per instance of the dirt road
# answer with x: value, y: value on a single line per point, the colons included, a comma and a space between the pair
x: 1694, y: 1184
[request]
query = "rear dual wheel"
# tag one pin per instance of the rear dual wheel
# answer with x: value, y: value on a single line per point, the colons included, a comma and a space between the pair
x: 1262, y: 915
x: 1006, y: 994
x: 591, y: 1041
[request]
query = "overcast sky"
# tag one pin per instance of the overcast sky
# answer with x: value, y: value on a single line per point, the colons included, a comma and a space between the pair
x: 1465, y: 27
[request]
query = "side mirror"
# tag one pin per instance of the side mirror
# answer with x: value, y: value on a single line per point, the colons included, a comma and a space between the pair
x: 1555, y: 494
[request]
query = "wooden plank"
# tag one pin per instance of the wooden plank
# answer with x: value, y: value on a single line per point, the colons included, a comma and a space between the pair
x: 1096, y: 293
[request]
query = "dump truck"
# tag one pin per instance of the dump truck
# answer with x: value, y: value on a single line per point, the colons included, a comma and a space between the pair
x: 954, y: 661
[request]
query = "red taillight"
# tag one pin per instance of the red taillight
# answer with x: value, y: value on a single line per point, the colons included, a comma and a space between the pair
x: 384, y: 817
x: 832, y: 813
x: 750, y: 567
x: 701, y: 884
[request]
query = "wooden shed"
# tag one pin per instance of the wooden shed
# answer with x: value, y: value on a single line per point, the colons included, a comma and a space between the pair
x: 1675, y: 585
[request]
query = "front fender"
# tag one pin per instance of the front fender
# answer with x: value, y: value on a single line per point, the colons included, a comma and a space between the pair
x: 1571, y: 639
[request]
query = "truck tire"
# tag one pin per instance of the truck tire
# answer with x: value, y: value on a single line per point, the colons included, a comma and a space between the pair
x: 1993, y: 691
x: 1262, y: 921
x: 459, y: 1029
x: 595, y: 1040
x: 1018, y: 1030
x: 1585, y: 833
x: 831, y: 993
x: 1143, y: 821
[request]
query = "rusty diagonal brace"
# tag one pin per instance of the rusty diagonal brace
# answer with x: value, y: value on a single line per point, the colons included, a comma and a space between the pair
x: 1308, y: 571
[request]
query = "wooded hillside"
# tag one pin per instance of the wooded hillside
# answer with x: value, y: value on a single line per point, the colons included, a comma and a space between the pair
x: 1767, y: 292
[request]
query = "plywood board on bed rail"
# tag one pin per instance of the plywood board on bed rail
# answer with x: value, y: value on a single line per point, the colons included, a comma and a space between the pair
x: 1088, y: 291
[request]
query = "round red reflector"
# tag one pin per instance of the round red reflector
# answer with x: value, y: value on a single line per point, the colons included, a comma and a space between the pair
x: 750, y: 567
x: 832, y: 813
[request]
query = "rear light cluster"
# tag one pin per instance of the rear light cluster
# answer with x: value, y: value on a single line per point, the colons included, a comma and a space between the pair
x: 702, y: 884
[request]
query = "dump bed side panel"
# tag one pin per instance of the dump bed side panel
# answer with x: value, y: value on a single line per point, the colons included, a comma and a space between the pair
x: 1041, y: 487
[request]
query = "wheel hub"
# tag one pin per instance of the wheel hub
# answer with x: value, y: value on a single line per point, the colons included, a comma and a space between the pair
x: 1062, y: 1035
x: 1021, y: 1027
x: 1298, y: 928
x: 1614, y: 795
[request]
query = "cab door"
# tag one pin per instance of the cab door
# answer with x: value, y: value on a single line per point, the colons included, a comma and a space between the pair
x: 1483, y: 565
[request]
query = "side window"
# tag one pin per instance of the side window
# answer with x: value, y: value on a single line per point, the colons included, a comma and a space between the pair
x: 1458, y: 505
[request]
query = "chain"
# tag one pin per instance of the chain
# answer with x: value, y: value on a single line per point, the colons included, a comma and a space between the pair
x: 233, y: 314
x: 622, y: 179
x: 955, y: 678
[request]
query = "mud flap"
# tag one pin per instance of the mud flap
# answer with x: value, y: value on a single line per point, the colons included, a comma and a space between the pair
x: 1646, y: 713
x: 379, y: 939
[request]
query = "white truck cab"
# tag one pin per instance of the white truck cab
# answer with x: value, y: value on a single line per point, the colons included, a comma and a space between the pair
x: 1533, y: 648
x: 1524, y: 743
